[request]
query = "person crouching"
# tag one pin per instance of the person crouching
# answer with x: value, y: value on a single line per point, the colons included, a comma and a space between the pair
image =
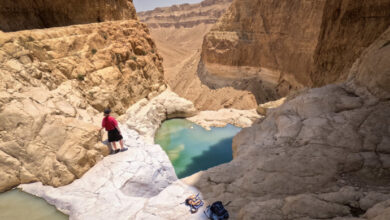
x: 114, y: 133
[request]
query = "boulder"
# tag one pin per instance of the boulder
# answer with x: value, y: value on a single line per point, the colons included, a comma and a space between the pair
x: 146, y: 116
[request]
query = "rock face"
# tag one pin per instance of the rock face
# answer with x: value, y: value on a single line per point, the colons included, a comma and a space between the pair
x: 288, y: 45
x: 348, y: 27
x: 120, y: 54
x: 26, y: 14
x: 179, y: 32
x: 53, y: 84
x: 321, y: 155
x: 45, y: 136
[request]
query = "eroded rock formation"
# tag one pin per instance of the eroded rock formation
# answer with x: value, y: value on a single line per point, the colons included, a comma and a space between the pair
x: 290, y: 44
x: 53, y: 84
x: 179, y: 32
x: 146, y: 116
x: 27, y: 14
x: 323, y: 154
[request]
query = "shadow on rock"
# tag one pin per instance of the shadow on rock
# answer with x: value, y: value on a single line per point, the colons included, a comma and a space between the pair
x: 217, y: 154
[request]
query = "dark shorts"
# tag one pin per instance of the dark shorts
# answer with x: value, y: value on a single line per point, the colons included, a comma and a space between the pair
x: 113, y: 135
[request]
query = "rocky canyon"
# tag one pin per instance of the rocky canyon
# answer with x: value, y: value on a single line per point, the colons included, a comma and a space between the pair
x: 289, y: 45
x: 54, y: 82
x: 178, y: 32
x: 320, y: 151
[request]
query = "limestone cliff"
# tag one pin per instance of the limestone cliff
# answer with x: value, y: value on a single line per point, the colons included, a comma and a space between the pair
x: 185, y: 15
x: 178, y: 32
x: 323, y: 154
x: 27, y: 14
x: 53, y: 84
x: 291, y: 44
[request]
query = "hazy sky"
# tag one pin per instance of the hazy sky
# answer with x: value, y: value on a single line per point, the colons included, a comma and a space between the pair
x: 145, y: 5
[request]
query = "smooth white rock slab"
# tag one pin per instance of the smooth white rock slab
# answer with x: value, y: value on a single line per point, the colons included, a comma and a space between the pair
x: 137, y: 184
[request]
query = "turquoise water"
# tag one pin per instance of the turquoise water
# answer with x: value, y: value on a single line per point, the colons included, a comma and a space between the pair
x: 191, y: 148
x: 17, y: 205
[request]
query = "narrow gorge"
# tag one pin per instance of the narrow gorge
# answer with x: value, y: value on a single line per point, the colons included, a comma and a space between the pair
x: 305, y: 83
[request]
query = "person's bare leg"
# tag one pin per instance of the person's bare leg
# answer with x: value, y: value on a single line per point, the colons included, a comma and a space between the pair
x: 121, y: 143
x: 113, y: 145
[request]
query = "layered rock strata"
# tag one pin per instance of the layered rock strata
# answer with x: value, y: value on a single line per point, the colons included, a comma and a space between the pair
x: 179, y: 32
x: 348, y: 27
x: 185, y: 15
x: 53, y: 84
x: 26, y: 14
x: 291, y: 44
x: 323, y: 154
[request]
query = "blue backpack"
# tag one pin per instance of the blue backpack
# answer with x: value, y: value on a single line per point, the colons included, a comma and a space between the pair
x: 216, y: 211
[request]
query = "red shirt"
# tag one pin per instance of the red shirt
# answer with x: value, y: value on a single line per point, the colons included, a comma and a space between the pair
x: 109, y: 123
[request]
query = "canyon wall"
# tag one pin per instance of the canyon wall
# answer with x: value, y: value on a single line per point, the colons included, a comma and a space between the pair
x: 178, y: 32
x: 291, y: 44
x: 185, y: 15
x: 323, y: 154
x: 54, y: 84
x: 26, y: 14
x: 348, y: 27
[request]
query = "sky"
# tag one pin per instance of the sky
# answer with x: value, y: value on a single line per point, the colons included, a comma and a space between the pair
x: 145, y: 5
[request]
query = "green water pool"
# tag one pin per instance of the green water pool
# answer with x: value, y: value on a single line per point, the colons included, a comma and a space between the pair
x: 17, y: 205
x: 192, y: 148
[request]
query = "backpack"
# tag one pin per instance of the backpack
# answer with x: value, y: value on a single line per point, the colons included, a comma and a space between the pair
x: 194, y: 202
x: 216, y: 211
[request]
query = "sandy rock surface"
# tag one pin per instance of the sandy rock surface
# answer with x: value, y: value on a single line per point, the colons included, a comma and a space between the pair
x: 263, y: 108
x: 222, y: 117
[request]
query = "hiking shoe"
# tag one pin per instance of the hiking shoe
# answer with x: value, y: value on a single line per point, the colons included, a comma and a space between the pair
x: 117, y: 150
x: 124, y: 149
